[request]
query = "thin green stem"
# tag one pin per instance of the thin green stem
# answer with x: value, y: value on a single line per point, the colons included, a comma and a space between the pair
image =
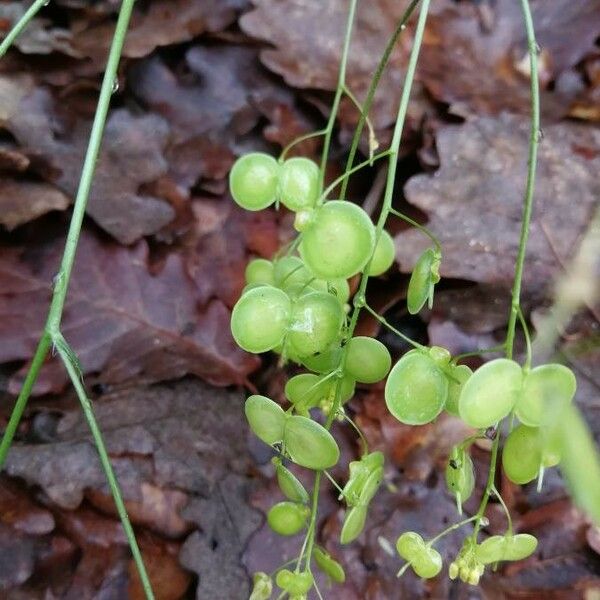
x: 420, y: 227
x: 373, y: 143
x: 344, y: 177
x: 527, y: 339
x: 89, y: 166
x: 339, y: 91
x: 385, y: 322
x: 505, y: 508
x: 17, y: 412
x: 358, y: 430
x: 313, y: 519
x: 534, y: 134
x: 525, y: 226
x: 393, y: 157
x: 366, y: 106
x: 86, y: 405
x: 334, y: 483
x: 298, y: 140
x: 14, y: 33
x: 449, y: 529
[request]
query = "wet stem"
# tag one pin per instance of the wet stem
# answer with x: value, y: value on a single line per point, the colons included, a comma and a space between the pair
x: 51, y: 336
x: 534, y: 137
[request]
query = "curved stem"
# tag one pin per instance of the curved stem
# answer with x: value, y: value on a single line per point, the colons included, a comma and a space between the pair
x: 346, y: 174
x: 298, y: 140
x: 14, y: 33
x: 420, y: 227
x: 385, y: 322
x: 527, y: 338
x: 339, y: 91
x: 400, y: 27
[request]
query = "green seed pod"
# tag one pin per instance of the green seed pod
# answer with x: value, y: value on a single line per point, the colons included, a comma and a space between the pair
x: 353, y: 524
x: 288, y: 518
x: 367, y: 359
x: 410, y: 546
x: 289, y: 484
x: 291, y: 275
x: 254, y: 180
x: 522, y: 456
x: 317, y: 320
x: 299, y: 183
x: 416, y: 389
x: 323, y: 362
x: 384, y: 254
x: 460, y: 476
x: 297, y: 585
x: 266, y: 418
x: 262, y: 587
x: 328, y: 565
x: 547, y: 387
x: 424, y: 276
x: 427, y: 565
x: 304, y: 391
x: 259, y: 271
x: 490, y: 393
x: 457, y: 377
x: 506, y: 547
x: 360, y: 471
x: 309, y: 444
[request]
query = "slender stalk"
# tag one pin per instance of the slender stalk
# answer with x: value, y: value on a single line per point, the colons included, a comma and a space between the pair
x: 400, y: 27
x: 534, y: 136
x: 14, y: 33
x: 359, y: 301
x: 525, y: 225
x: 420, y: 227
x: 86, y: 405
x: 17, y: 412
x: 339, y: 91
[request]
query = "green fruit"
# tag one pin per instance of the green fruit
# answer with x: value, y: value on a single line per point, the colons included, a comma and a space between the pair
x: 316, y: 323
x: 297, y: 585
x: 354, y: 523
x: 505, y: 547
x: 422, y: 280
x: 304, y: 391
x: 521, y: 456
x: 288, y: 518
x: 460, y: 476
x: 416, y: 389
x: 410, y: 546
x: 259, y: 271
x: 266, y: 418
x: 291, y: 275
x: 547, y: 387
x: 299, y: 183
x: 457, y: 377
x: 254, y: 180
x: 360, y: 472
x: 309, y: 444
x: 384, y: 254
x: 328, y: 565
x: 289, y: 484
x: 427, y: 565
x: 367, y: 359
x: 323, y: 362
x: 260, y: 319
x: 490, y: 393
x: 338, y: 241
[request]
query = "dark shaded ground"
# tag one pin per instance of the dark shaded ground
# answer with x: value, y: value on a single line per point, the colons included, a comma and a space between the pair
x: 162, y: 258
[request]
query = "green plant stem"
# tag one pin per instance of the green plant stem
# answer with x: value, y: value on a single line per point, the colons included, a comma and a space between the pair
x: 88, y: 411
x: 14, y: 33
x: 386, y: 323
x: 450, y: 529
x: 400, y: 27
x: 51, y: 330
x: 420, y: 227
x: 525, y: 226
x: 393, y: 156
x: 51, y: 334
x: 338, y: 93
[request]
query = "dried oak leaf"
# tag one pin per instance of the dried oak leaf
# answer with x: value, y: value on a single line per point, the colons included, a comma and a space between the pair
x: 131, y: 155
x: 122, y: 322
x: 155, y: 24
x: 474, y: 202
x: 214, y: 97
x: 23, y: 201
x: 308, y: 56
x: 474, y: 56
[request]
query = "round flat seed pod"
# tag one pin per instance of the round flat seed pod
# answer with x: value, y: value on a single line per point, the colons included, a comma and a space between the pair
x: 309, y: 444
